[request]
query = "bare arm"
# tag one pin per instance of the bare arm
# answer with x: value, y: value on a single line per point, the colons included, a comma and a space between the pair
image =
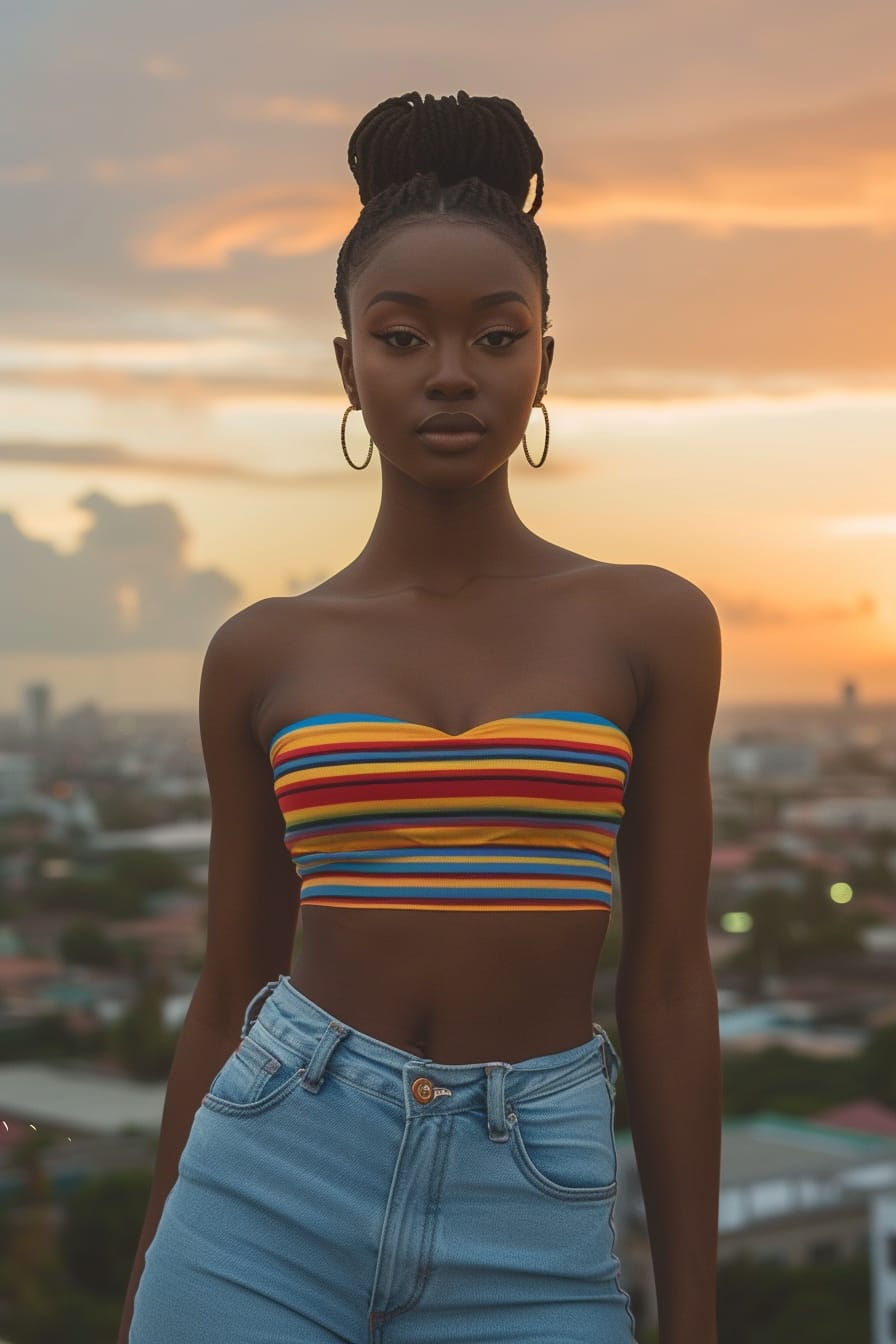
x: 253, y: 898
x: 666, y: 1001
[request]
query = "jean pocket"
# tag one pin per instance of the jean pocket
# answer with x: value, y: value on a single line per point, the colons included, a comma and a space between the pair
x: 260, y: 1073
x: 563, y: 1141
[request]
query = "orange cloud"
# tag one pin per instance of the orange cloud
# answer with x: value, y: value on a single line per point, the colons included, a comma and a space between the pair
x: 164, y: 68
x: 760, y: 611
x: 276, y: 221
x: 296, y: 111
x: 835, y: 168
x: 826, y: 169
x: 601, y: 387
x: 140, y: 170
x: 176, y: 389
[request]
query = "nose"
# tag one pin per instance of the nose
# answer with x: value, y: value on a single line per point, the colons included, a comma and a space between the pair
x: 450, y: 374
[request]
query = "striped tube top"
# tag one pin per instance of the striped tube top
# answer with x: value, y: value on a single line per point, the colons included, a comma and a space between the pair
x: 519, y: 813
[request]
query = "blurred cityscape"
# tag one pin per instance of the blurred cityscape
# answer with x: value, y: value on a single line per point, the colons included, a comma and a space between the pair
x: 104, y: 833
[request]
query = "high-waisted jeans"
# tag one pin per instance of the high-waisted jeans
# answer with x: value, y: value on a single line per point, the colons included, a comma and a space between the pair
x: 334, y: 1189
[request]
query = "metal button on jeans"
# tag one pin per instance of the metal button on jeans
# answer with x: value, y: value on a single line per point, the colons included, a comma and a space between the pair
x: 422, y: 1089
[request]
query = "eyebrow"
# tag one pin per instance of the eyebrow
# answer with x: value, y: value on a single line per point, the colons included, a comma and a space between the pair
x: 417, y: 301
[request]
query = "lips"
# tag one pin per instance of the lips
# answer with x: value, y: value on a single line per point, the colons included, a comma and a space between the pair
x: 455, y: 422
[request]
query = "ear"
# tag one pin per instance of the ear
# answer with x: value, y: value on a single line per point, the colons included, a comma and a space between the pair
x: 547, y: 359
x: 343, y: 347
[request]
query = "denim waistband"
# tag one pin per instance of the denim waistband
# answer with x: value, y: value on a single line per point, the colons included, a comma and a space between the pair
x: 415, y: 1081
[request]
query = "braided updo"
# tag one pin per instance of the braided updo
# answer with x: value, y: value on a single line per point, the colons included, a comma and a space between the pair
x: 473, y: 158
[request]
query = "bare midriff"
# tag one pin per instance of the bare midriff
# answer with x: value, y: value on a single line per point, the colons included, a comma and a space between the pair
x: 457, y: 987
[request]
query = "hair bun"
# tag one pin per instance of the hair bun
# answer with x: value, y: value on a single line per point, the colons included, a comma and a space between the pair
x: 454, y: 138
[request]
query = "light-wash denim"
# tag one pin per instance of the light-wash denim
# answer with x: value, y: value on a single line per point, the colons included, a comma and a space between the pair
x: 335, y: 1189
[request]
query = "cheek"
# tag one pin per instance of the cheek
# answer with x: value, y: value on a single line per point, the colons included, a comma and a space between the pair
x: 381, y: 379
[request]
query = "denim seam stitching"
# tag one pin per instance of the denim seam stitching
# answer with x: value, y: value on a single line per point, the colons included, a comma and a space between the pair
x: 617, y: 1275
x: 425, y: 1269
x: 245, y: 1109
x: 330, y: 1070
x: 593, y: 1193
x: 550, y: 1091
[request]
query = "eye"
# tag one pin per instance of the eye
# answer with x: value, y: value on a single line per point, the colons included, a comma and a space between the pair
x: 387, y: 337
x: 504, y: 331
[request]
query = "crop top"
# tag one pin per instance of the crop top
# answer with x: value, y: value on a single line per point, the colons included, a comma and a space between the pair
x: 519, y: 813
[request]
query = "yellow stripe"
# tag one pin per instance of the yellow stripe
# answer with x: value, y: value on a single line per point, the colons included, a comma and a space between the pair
x: 440, y: 905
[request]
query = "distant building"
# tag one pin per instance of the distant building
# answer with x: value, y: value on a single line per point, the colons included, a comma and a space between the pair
x: 67, y: 806
x: 36, y: 709
x: 865, y: 1115
x: 883, y: 1267
x: 169, y: 935
x: 22, y: 979
x: 87, y: 719
x: 763, y: 759
x: 874, y: 813
x: 187, y: 839
x: 792, y: 1192
x: 792, y: 1023
x: 79, y: 1100
x: 16, y: 779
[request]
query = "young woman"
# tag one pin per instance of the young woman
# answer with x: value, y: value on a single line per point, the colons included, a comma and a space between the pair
x: 413, y: 1141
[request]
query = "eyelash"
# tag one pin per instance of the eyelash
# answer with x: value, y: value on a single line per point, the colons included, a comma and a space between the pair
x: 495, y: 331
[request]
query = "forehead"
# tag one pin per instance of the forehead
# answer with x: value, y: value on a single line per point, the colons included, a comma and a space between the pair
x: 448, y: 262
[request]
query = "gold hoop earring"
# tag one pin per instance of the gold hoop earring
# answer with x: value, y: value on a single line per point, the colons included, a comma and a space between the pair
x: 345, y: 450
x: 539, y: 405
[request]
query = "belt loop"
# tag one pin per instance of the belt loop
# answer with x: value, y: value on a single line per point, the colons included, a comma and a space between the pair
x: 331, y: 1036
x: 265, y: 989
x: 611, y: 1059
x: 497, y: 1121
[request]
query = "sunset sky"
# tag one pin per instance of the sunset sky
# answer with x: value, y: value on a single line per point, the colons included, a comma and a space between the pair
x: 720, y: 222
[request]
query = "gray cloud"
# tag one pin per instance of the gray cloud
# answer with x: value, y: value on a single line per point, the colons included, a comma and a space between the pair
x: 112, y: 457
x: 109, y: 457
x: 127, y: 586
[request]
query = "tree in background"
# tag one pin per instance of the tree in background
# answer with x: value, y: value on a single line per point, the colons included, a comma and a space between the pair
x: 139, y: 1040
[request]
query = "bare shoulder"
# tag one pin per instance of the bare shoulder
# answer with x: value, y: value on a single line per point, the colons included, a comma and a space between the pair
x: 665, y: 839
x: 241, y: 656
x: 680, y: 638
x: 236, y: 635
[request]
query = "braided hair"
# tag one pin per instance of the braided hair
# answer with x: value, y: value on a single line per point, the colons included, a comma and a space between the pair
x: 473, y: 158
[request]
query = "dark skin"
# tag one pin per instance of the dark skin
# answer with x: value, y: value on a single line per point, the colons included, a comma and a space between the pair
x: 464, y: 615
x: 444, y: 519
x: 455, y: 614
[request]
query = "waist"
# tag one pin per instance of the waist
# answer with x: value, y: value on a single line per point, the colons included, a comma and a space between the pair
x: 470, y: 985
x: 289, y: 1016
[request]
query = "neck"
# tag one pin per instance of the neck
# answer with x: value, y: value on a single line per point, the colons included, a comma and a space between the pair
x: 439, y: 540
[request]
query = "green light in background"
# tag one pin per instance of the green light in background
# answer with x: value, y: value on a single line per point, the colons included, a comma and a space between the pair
x: 736, y: 921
